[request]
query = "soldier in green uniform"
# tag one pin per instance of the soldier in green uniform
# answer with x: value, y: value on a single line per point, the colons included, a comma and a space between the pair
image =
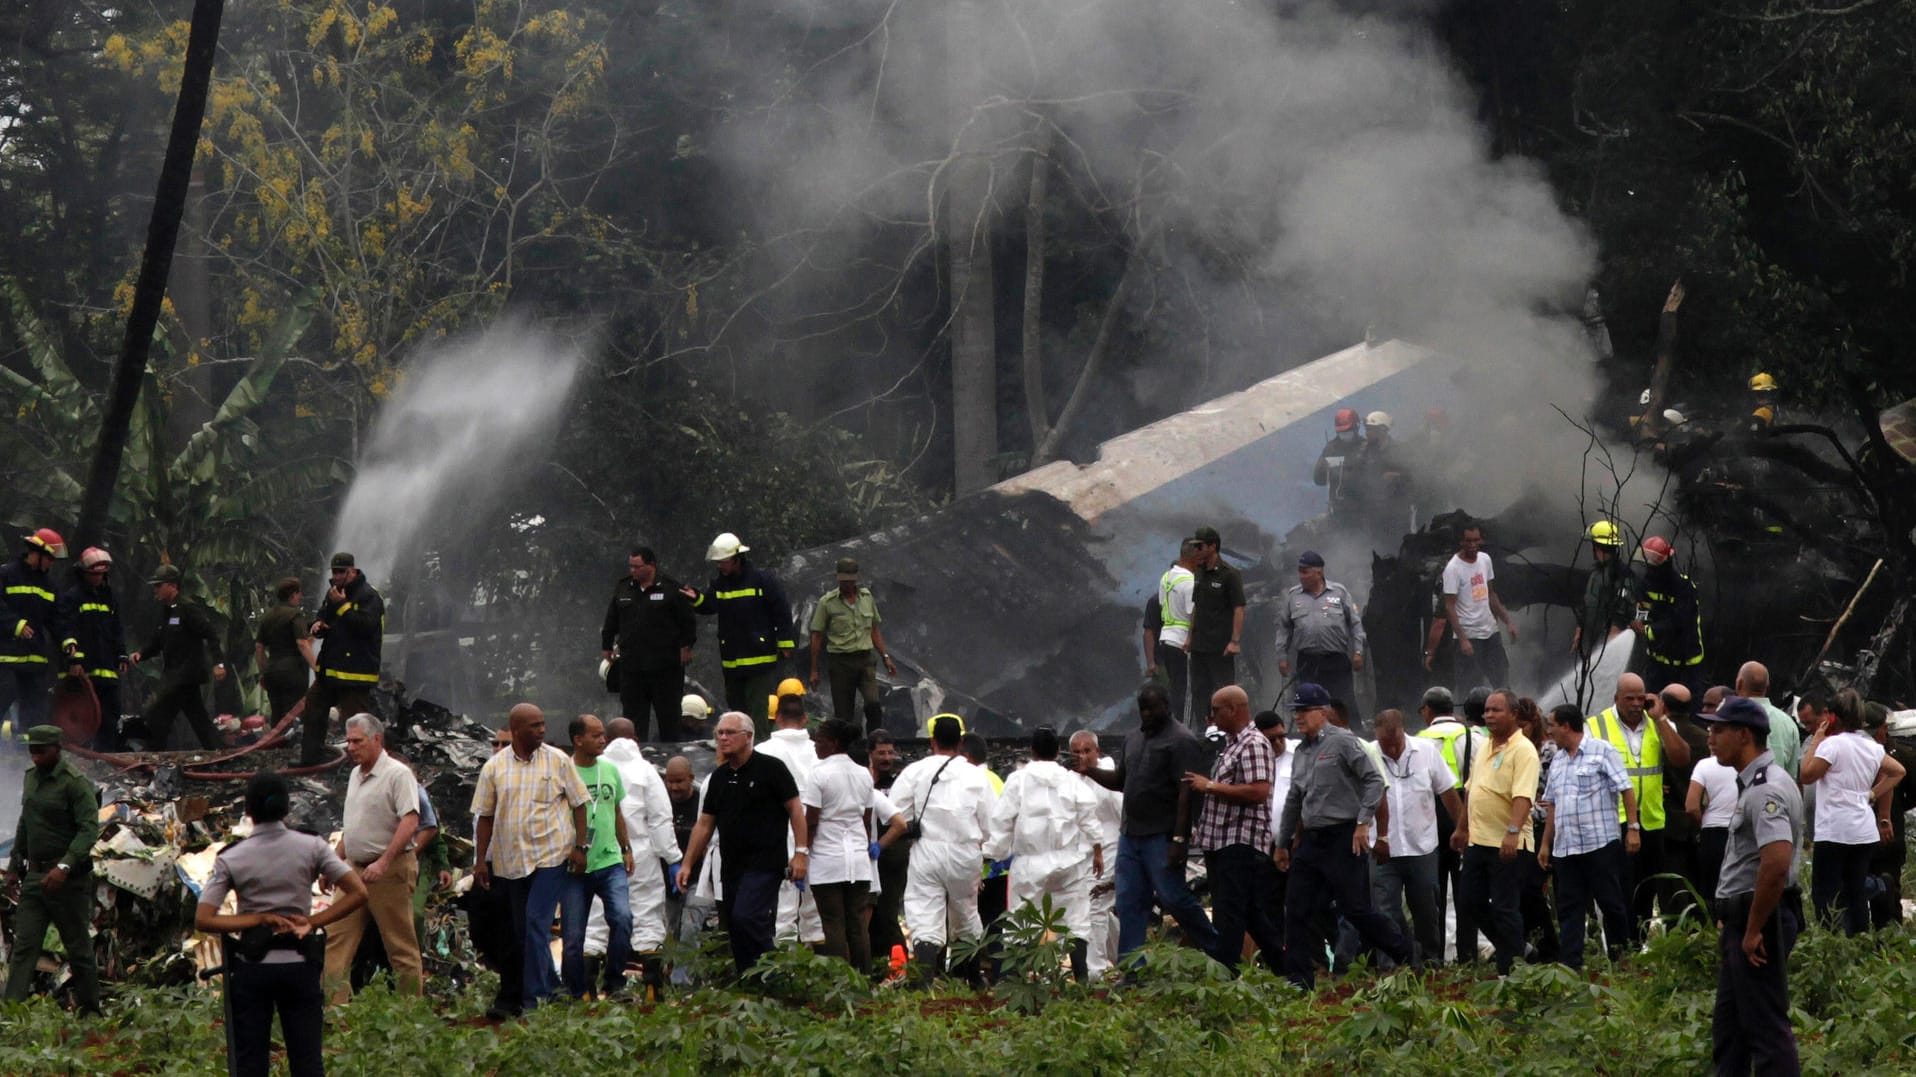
x: 59, y: 822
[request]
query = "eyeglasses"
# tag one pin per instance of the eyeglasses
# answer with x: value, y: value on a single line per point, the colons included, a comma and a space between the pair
x: 729, y: 732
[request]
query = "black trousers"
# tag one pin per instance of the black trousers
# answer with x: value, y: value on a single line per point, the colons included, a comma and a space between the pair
x: 27, y: 684
x: 747, y: 915
x: 1325, y: 873
x: 173, y: 701
x: 1533, y: 905
x: 1491, y: 886
x: 655, y: 693
x: 748, y: 690
x: 894, y: 864
x: 1450, y: 868
x: 1209, y: 672
x: 1487, y: 665
x: 108, y: 739
x: 1640, y: 869
x: 1750, y: 1027
x: 1177, y: 671
x: 499, y: 936
x: 258, y: 991
x: 1330, y: 671
x: 283, y: 689
x: 1242, y: 877
x: 1595, y: 877
x: 351, y: 697
x: 1838, y: 874
x: 1710, y: 843
x: 854, y: 676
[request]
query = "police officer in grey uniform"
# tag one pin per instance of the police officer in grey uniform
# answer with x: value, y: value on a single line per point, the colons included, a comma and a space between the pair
x: 1321, y: 621
x: 274, y: 952
x: 1758, y: 906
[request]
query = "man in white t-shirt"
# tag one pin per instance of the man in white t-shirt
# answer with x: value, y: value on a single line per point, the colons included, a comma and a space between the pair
x: 1472, y: 612
x: 1406, y: 871
x: 791, y: 744
x: 1174, y: 637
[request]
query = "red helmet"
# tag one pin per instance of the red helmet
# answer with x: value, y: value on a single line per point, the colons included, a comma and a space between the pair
x: 1346, y: 420
x: 47, y: 541
x: 1657, y: 549
x: 252, y: 723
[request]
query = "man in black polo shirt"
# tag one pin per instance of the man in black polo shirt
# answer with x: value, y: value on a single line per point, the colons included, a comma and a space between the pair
x: 1217, y: 624
x: 750, y: 799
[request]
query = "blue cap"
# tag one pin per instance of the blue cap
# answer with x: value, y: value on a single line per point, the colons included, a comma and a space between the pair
x: 1737, y: 710
x: 1310, y: 695
x: 1310, y: 559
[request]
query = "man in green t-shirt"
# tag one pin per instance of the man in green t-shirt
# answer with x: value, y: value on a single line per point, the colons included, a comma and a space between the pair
x: 608, y: 861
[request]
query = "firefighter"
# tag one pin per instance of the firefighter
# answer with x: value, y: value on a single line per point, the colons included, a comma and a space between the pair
x: 181, y: 643
x: 351, y: 625
x: 26, y: 628
x: 1609, y: 604
x: 1338, y: 462
x: 93, y: 639
x: 1764, y: 412
x: 1380, y: 471
x: 1670, y: 621
x: 754, y: 626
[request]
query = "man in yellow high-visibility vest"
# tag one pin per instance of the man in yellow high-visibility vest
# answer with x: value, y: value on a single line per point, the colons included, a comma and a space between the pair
x: 1627, y: 727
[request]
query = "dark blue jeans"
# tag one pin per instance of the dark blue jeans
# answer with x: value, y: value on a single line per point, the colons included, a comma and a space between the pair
x: 748, y: 914
x: 1583, y: 879
x: 535, y: 900
x: 1242, y: 878
x: 1325, y: 873
x: 608, y: 884
x: 1145, y: 876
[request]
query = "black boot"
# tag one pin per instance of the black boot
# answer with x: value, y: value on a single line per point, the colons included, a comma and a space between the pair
x: 593, y: 964
x: 652, y: 976
x: 1081, y: 961
x: 928, y: 961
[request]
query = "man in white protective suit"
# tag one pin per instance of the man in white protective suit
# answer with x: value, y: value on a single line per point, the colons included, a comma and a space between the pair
x: 948, y: 800
x: 1086, y: 756
x: 791, y: 744
x: 1046, y: 821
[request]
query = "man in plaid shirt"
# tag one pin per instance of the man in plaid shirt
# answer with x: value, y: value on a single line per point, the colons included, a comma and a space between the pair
x: 1234, y: 831
x: 1580, y: 825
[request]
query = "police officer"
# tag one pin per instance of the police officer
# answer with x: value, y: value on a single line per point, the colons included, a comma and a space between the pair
x: 351, y: 624
x: 1322, y: 839
x: 181, y: 641
x: 1759, y: 909
x: 93, y: 638
x: 26, y: 628
x: 273, y: 948
x: 1321, y: 621
x: 650, y: 622
x: 59, y: 822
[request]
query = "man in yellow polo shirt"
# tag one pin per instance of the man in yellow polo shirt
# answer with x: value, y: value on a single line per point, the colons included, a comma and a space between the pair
x: 1496, y: 832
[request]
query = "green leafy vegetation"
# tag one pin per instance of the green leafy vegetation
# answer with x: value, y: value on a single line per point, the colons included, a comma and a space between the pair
x: 803, y: 1014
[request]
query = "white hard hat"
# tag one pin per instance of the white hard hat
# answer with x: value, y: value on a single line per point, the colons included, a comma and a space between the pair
x: 1674, y: 417
x: 694, y: 706
x: 724, y: 546
x: 605, y: 667
x: 1378, y: 418
x: 1644, y: 399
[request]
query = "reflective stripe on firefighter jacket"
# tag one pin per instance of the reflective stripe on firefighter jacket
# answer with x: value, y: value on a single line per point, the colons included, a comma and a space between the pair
x: 26, y: 600
x: 1673, y: 619
x: 754, y: 619
x: 352, y: 632
x: 1646, y: 772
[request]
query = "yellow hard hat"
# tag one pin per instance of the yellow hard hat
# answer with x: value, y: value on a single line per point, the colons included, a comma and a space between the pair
x: 956, y: 718
x: 790, y: 686
x: 1605, y: 533
x: 1762, y: 383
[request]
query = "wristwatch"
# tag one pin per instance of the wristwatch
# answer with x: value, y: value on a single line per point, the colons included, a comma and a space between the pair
x: 1636, y: 826
x: 802, y: 851
x: 583, y: 848
x: 1513, y: 829
x: 63, y: 868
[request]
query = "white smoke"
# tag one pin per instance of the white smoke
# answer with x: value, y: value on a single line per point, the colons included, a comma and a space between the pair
x: 472, y: 415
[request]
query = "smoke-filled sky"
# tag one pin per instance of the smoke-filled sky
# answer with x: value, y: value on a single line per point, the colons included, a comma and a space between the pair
x: 1332, y: 154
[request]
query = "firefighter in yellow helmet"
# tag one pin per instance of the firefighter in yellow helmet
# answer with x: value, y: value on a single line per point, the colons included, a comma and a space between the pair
x: 1609, y: 603
x: 1763, y: 403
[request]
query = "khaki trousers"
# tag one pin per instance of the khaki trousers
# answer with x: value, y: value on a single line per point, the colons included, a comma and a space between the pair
x: 389, y: 905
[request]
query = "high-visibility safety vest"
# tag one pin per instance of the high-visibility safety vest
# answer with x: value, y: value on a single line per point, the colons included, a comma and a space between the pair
x: 1166, y: 584
x: 1447, y: 737
x: 1646, y: 772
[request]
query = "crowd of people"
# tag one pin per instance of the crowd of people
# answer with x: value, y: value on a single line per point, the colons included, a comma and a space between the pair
x: 1314, y: 848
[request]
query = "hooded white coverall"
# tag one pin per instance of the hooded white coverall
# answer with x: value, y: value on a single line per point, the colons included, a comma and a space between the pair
x: 647, y: 808
x: 1104, y: 892
x: 1047, y: 822
x: 941, y: 885
x: 797, y: 910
